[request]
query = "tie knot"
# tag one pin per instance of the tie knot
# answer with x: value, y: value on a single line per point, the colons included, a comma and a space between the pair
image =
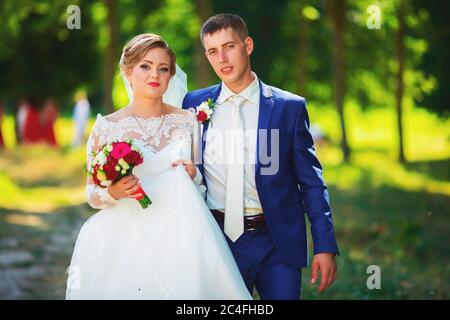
x: 237, y: 100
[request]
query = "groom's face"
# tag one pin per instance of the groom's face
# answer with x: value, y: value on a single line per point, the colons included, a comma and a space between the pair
x: 228, y: 54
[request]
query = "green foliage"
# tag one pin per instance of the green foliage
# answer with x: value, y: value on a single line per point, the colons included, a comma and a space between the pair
x: 435, y: 63
x: 40, y: 56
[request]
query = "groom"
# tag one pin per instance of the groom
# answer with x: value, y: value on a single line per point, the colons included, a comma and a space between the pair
x: 260, y: 205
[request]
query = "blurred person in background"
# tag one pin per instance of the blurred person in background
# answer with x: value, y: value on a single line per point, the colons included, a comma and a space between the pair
x: 32, y: 129
x: 319, y: 136
x: 22, y: 111
x: 81, y: 115
x: 49, y: 115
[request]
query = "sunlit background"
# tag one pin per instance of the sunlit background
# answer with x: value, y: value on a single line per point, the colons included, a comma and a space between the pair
x: 375, y: 75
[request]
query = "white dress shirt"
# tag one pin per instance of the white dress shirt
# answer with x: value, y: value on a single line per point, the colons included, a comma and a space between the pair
x: 214, y: 153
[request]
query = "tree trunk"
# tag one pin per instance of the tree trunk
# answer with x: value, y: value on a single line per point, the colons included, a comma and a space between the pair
x: 111, y: 59
x: 336, y: 11
x: 400, y: 52
x: 202, y: 67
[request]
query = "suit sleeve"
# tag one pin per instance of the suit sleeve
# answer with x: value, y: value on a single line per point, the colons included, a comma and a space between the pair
x: 313, y: 189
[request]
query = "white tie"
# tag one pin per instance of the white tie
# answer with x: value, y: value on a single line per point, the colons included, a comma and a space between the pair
x: 234, y: 206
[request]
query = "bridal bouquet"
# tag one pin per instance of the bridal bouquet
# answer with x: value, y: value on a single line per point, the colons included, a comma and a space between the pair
x: 116, y: 160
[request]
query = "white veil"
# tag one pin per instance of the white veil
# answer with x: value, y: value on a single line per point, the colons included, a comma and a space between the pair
x: 176, y: 90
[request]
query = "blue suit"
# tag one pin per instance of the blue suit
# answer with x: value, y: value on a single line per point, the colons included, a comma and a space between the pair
x: 296, y: 188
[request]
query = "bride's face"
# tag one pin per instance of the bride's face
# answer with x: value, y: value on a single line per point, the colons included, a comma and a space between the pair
x: 150, y: 77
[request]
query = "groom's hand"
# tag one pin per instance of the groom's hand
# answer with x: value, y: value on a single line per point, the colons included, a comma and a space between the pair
x: 188, y: 166
x: 326, y: 264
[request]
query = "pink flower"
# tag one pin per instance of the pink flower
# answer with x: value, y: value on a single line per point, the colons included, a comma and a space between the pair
x: 120, y: 150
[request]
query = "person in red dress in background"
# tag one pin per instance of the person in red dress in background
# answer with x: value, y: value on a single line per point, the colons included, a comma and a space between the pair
x: 2, y: 111
x: 32, y: 129
x: 49, y: 115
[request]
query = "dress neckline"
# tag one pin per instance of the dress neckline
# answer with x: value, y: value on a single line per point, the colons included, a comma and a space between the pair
x: 142, y: 119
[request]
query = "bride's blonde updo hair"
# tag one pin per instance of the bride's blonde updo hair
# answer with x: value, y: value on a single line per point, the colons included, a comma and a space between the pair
x: 137, y: 48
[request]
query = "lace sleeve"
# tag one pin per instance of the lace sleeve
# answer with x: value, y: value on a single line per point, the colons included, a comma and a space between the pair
x: 196, y: 151
x: 97, y: 197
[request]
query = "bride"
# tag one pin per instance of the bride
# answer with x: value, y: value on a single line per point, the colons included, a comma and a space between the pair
x: 173, y: 249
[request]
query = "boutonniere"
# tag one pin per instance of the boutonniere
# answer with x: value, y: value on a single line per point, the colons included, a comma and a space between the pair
x: 205, y: 110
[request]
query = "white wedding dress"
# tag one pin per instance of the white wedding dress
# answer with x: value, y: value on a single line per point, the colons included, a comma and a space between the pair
x: 173, y: 249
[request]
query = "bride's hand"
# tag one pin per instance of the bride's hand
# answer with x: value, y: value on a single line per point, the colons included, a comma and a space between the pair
x: 188, y: 166
x: 125, y: 188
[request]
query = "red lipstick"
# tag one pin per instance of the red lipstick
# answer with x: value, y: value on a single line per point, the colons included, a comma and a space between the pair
x: 153, y: 84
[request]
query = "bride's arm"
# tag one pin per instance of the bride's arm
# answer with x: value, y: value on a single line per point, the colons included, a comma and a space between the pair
x: 97, y: 197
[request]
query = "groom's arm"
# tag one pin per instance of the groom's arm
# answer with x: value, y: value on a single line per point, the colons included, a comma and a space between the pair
x: 314, y: 192
x: 316, y: 200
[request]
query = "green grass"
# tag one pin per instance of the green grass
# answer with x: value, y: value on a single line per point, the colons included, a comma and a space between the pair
x: 379, y: 221
x: 391, y: 215
x: 387, y: 214
x: 426, y: 136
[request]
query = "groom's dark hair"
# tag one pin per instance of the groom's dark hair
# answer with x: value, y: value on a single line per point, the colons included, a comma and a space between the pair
x: 223, y: 21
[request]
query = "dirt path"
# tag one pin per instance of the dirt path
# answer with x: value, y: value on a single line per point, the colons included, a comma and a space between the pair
x: 34, y: 256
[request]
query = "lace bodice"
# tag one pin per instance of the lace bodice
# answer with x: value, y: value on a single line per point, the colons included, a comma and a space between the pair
x: 153, y: 134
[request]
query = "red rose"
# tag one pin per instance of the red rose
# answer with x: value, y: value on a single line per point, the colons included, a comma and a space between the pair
x: 94, y: 174
x: 95, y: 169
x: 110, y: 170
x: 113, y: 161
x: 110, y: 158
x: 202, y: 116
x: 133, y: 158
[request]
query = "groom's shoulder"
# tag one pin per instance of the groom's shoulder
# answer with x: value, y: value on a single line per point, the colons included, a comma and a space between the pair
x: 287, y: 96
x: 195, y: 97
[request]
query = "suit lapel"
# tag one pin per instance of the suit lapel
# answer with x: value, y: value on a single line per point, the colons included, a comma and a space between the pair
x: 266, y: 104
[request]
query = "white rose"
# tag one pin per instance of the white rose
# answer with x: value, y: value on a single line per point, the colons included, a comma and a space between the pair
x: 101, y: 158
x: 209, y: 112
x: 204, y: 105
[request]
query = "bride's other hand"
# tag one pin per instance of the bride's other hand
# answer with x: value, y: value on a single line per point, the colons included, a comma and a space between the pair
x: 188, y: 166
x: 125, y: 188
